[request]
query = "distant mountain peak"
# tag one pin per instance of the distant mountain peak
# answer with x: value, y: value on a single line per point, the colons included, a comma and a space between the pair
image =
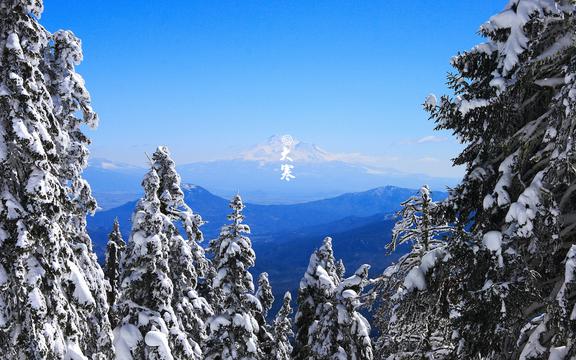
x: 271, y: 151
x: 105, y: 164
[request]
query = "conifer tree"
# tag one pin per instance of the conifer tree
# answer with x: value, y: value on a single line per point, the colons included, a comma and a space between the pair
x: 264, y: 293
x: 282, y: 349
x: 233, y: 330
x: 499, y: 285
x: 316, y: 289
x: 404, y: 333
x: 52, y: 292
x: 266, y: 299
x: 114, y: 251
x: 186, y: 258
x: 341, y: 332
x: 149, y: 327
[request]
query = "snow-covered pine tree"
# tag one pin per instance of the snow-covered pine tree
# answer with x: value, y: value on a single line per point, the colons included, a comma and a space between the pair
x: 316, y: 288
x: 266, y: 299
x: 148, y: 326
x: 114, y: 251
x: 52, y: 292
x: 514, y: 108
x: 341, y: 332
x: 282, y: 349
x: 404, y: 332
x: 186, y: 259
x: 264, y: 293
x: 233, y: 330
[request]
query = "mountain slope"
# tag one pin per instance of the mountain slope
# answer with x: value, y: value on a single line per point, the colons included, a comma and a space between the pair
x: 263, y: 219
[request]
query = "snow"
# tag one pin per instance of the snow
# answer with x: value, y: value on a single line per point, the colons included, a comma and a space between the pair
x: 533, y: 349
x: 430, y: 101
x: 324, y: 280
x: 36, y: 300
x: 73, y: 352
x: 492, y: 240
x: 20, y: 130
x: 550, y: 82
x: 569, y: 272
x: 415, y: 279
x: 467, y: 105
x: 525, y: 209
x: 558, y: 353
x: 159, y: 340
x: 217, y: 322
x: 515, y: 16
x: 82, y: 292
x: 505, y: 168
x: 3, y: 276
x: 243, y: 321
x: 251, y: 346
x: 13, y: 42
x: 126, y: 338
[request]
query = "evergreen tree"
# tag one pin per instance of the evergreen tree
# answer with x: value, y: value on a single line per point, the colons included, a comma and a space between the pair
x: 114, y: 251
x: 341, y: 332
x: 264, y: 293
x: 266, y: 299
x: 316, y: 289
x: 282, y: 349
x: 52, y: 291
x: 233, y: 330
x: 498, y: 284
x: 186, y: 259
x: 149, y: 327
x: 406, y: 334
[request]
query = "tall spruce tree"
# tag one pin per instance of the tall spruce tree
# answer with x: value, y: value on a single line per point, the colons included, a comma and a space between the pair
x: 266, y: 298
x: 341, y: 332
x: 233, y: 330
x: 114, y: 252
x: 186, y: 258
x: 405, y: 333
x: 52, y: 292
x: 282, y: 349
x: 500, y: 285
x: 148, y: 325
x: 316, y: 290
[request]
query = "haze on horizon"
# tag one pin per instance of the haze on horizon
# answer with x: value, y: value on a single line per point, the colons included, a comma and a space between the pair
x: 211, y: 79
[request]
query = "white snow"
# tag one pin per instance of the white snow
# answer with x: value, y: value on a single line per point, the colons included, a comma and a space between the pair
x: 492, y: 240
x: 73, y: 352
x: 3, y: 276
x: 36, y: 300
x: 217, y: 322
x: 467, y: 105
x: 558, y: 353
x: 415, y: 279
x: 533, y: 349
x: 514, y: 17
x: 82, y: 292
x: 430, y: 101
x: 525, y: 209
x: 20, y: 130
x: 125, y: 339
x: 13, y: 42
x: 159, y: 340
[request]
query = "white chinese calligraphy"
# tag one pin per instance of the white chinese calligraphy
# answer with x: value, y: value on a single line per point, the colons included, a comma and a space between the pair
x: 287, y: 142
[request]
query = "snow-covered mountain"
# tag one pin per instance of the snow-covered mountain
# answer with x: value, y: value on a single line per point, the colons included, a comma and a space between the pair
x: 255, y: 173
x: 271, y: 152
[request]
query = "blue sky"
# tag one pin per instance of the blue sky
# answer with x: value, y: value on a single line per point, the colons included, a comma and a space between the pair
x: 208, y: 78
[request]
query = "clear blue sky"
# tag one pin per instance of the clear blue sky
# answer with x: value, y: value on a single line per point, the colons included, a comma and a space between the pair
x: 210, y: 77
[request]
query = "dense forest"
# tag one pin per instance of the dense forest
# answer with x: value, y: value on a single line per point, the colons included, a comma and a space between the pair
x: 491, y: 273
